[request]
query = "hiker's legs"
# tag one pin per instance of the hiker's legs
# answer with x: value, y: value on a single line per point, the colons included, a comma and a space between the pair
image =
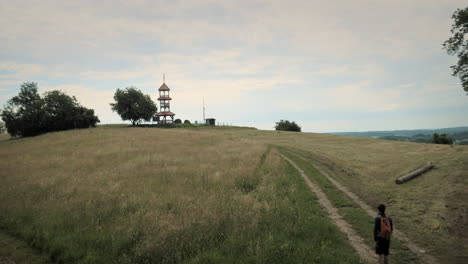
x: 381, y: 259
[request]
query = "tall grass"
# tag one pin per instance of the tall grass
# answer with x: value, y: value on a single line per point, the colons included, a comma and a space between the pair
x: 146, y: 195
x: 431, y: 209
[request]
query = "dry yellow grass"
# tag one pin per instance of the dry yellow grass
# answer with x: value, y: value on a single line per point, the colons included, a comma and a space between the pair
x: 174, y: 173
x: 146, y: 194
x: 139, y: 195
x: 431, y: 208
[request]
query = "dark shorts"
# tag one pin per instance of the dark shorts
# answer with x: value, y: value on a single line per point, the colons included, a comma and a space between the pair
x: 382, y: 247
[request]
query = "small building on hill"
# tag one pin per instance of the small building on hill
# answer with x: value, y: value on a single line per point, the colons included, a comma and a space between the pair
x: 210, y: 121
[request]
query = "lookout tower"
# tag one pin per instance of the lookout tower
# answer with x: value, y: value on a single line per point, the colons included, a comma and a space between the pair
x: 164, y: 104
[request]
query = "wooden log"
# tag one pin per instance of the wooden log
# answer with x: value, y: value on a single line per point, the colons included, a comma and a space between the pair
x: 414, y: 174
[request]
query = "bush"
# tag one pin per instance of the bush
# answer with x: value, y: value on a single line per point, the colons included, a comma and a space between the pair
x: 177, y: 121
x: 27, y: 114
x: 285, y: 125
x: 441, y: 139
x: 187, y: 122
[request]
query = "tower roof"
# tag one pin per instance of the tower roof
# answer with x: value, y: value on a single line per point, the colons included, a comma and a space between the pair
x: 165, y: 114
x: 164, y: 87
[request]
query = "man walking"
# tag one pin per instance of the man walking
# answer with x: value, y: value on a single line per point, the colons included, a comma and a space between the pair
x: 383, y: 228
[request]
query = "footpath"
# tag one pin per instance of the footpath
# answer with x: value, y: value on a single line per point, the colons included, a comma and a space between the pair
x: 356, y: 241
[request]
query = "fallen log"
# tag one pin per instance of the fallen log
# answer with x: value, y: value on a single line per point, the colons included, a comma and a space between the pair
x: 414, y: 174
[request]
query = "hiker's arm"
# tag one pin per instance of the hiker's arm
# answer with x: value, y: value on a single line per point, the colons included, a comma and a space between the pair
x: 376, y: 228
x: 391, y: 224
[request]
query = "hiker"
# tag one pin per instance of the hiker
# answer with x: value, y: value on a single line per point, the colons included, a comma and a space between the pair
x: 383, y: 228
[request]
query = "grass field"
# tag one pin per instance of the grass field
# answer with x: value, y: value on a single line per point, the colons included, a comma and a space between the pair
x: 200, y: 195
x: 147, y: 195
x: 431, y: 209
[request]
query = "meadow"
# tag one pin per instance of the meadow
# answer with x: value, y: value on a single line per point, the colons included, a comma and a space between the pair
x: 147, y: 195
x: 430, y: 209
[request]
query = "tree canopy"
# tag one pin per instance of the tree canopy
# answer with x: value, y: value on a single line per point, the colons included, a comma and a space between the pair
x: 64, y: 112
x: 457, y: 44
x: 131, y: 104
x: 285, y: 125
x: 2, y: 127
x: 441, y: 139
x: 27, y: 114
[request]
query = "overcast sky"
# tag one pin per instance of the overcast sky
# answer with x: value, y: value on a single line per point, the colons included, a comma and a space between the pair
x: 328, y: 65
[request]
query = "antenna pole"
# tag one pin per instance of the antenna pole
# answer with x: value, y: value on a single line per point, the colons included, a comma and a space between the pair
x: 164, y: 77
x: 203, y: 109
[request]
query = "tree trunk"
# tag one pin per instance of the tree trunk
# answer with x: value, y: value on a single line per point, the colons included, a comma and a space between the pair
x: 414, y: 174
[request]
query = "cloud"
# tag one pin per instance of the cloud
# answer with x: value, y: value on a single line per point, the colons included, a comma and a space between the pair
x: 246, y: 58
x: 115, y: 75
x: 363, y: 96
x: 357, y: 70
x: 15, y: 70
x: 314, y: 27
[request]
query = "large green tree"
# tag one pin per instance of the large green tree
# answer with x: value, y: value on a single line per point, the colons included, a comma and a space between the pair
x: 27, y: 114
x: 24, y: 114
x: 64, y: 112
x: 131, y: 104
x: 457, y: 44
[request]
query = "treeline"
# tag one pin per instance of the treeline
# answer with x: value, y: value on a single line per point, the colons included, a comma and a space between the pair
x: 404, y: 133
x: 460, y: 138
x: 29, y: 114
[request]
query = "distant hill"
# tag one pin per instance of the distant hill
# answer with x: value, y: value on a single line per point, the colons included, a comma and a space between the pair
x: 458, y: 134
x: 406, y: 133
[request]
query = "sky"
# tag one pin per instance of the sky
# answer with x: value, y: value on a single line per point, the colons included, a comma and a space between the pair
x: 329, y: 65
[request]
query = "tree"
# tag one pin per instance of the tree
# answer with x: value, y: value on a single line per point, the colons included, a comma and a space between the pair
x: 24, y: 114
x: 27, y: 114
x: 131, y: 104
x: 2, y: 127
x: 441, y: 139
x: 64, y: 112
x: 457, y: 44
x: 285, y: 125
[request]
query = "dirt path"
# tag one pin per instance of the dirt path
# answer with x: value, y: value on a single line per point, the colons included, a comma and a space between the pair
x: 355, y: 240
x: 417, y: 250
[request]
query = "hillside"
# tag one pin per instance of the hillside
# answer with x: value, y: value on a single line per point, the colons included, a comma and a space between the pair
x: 459, y: 135
x: 223, y: 195
x: 147, y: 195
x: 406, y: 133
x: 431, y: 208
